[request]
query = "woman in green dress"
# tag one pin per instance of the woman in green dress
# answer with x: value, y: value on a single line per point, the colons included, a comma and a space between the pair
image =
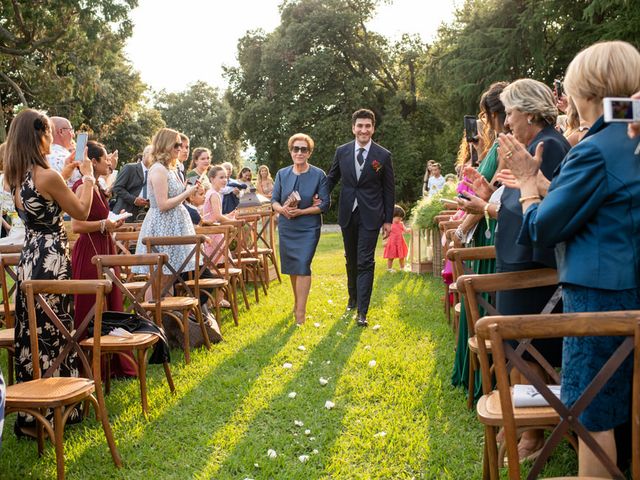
x: 492, y: 112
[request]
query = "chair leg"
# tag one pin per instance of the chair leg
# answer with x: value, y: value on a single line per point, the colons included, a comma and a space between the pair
x: 167, y: 373
x: 185, y: 336
x: 275, y: 266
x: 203, y: 328
x: 471, y: 380
x: 491, y: 450
x: 264, y: 275
x: 244, y: 291
x: 254, y: 271
x: 58, y: 430
x: 233, y: 300
x: 40, y: 433
x: 10, y: 362
x: 107, y: 380
x: 104, y: 419
x: 142, y: 377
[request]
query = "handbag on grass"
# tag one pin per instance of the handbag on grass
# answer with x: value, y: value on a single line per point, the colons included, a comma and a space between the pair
x: 134, y: 323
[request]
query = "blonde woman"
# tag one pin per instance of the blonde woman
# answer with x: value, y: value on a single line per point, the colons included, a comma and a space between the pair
x: 167, y: 216
x: 264, y: 182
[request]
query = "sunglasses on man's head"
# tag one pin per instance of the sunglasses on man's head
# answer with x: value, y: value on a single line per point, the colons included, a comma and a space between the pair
x: 297, y: 149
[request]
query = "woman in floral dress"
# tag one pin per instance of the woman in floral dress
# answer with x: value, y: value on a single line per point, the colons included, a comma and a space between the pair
x: 41, y: 196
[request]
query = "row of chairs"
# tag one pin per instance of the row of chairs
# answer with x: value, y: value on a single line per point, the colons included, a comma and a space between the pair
x: 147, y: 295
x: 492, y: 351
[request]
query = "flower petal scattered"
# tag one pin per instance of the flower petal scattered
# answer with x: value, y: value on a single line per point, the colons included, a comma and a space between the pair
x: 271, y: 453
x: 329, y: 404
x: 381, y: 434
x: 302, y: 348
x: 317, y: 325
x: 303, y: 458
x: 307, y: 432
x: 298, y: 423
x: 315, y: 451
x: 372, y: 363
x: 292, y: 394
x: 287, y: 365
x: 323, y: 381
x: 376, y: 327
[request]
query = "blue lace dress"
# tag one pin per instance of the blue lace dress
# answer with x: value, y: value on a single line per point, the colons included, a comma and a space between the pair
x: 170, y: 223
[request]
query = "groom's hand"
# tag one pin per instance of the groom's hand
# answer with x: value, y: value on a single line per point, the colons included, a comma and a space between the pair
x: 386, y: 230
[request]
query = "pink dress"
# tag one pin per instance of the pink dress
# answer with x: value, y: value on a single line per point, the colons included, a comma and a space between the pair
x: 396, y: 247
x: 207, y: 216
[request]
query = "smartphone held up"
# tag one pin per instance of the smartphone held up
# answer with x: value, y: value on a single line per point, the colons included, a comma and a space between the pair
x: 621, y: 110
x: 471, y: 128
x: 81, y: 144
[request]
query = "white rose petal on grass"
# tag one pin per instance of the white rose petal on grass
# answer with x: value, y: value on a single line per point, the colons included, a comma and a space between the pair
x: 315, y: 451
x: 328, y: 362
x: 339, y: 334
x: 381, y: 434
x: 271, y: 453
x: 303, y: 458
x: 302, y: 348
x: 287, y: 365
x: 311, y: 439
x: 329, y: 404
x: 330, y: 302
x: 376, y: 327
x: 298, y: 423
x: 317, y: 325
x: 256, y: 465
x: 367, y: 347
x: 307, y: 432
x: 292, y: 394
x: 323, y: 381
x: 372, y: 363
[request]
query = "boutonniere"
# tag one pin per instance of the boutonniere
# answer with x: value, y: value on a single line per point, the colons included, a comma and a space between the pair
x: 376, y: 165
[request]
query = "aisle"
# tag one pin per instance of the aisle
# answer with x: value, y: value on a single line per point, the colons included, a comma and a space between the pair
x: 397, y: 418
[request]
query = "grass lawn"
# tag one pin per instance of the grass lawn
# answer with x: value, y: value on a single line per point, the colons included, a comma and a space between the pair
x: 398, y: 419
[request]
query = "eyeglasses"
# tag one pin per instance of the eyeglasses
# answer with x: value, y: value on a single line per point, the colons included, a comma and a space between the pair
x: 68, y: 128
x: 296, y: 149
x: 177, y: 145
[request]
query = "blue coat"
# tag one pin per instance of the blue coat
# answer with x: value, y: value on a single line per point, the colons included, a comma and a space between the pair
x: 592, y: 212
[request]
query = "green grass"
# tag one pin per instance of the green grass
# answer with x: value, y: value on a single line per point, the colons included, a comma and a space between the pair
x: 232, y: 402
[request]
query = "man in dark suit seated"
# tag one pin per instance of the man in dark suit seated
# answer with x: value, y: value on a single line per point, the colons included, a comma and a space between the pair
x: 366, y: 203
x: 130, y: 187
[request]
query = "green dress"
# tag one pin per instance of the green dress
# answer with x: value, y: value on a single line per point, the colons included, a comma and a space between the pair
x: 460, y: 376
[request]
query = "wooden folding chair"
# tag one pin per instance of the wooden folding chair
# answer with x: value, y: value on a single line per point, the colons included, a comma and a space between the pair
x: 219, y: 264
x: 499, y: 330
x: 8, y: 273
x: 62, y: 394
x: 458, y: 257
x: 125, y: 240
x: 141, y: 343
x: 266, y: 243
x: 473, y: 287
x: 247, y: 256
x: 178, y: 307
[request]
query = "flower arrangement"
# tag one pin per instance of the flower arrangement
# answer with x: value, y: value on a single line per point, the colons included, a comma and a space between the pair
x: 424, y: 212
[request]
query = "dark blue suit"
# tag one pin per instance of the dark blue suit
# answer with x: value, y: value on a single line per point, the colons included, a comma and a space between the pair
x: 591, y: 213
x: 375, y: 192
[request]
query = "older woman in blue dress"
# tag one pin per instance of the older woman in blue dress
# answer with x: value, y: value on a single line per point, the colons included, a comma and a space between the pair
x: 300, y: 222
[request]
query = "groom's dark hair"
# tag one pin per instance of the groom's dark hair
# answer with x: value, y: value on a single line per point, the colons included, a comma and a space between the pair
x: 363, y: 113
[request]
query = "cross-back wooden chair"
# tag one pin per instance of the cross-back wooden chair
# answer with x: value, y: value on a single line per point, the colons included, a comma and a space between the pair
x: 125, y: 239
x: 235, y: 270
x: 9, y: 276
x: 266, y: 243
x: 62, y: 394
x: 473, y: 287
x: 451, y: 295
x: 219, y: 264
x: 247, y: 256
x: 501, y: 329
x: 178, y: 307
x: 141, y: 343
x: 458, y: 258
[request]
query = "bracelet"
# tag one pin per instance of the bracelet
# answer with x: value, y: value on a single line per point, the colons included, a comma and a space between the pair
x: 89, y: 178
x: 530, y: 197
x: 103, y: 226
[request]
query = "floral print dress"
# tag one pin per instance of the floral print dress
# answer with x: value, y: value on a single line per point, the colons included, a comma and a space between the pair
x: 45, y: 256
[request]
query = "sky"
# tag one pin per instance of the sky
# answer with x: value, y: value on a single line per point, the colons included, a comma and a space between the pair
x: 198, y: 37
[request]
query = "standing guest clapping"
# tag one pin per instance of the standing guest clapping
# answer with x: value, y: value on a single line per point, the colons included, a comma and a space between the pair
x: 41, y: 195
x: 300, y: 221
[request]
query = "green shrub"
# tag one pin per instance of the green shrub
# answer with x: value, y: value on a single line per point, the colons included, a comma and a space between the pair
x: 426, y: 209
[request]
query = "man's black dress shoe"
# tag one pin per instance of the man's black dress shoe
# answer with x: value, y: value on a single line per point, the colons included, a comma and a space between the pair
x: 362, y: 321
x: 351, y: 305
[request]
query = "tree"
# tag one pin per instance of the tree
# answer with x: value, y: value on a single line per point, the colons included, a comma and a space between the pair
x: 199, y: 113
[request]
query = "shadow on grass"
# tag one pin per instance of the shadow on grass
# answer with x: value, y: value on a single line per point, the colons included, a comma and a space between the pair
x: 164, y: 444
x: 273, y: 427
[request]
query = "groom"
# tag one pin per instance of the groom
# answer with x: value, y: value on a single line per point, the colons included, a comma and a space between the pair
x: 366, y: 203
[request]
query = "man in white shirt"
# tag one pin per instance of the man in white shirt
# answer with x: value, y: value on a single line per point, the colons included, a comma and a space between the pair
x: 62, y: 149
x: 436, y: 180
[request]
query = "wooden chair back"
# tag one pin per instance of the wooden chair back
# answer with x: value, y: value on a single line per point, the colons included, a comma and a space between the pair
x: 195, y: 241
x: 107, y: 266
x: 458, y: 257
x: 34, y: 290
x: 220, y: 250
x: 125, y: 239
x: 501, y: 329
x: 265, y: 229
x: 248, y: 236
x: 8, y: 249
x: 9, y: 276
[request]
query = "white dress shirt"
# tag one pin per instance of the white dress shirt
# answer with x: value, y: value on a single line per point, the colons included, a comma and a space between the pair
x: 359, y: 167
x: 57, y: 158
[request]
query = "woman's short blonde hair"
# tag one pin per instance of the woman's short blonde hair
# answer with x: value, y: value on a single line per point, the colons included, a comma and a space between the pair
x: 605, y: 69
x: 304, y: 137
x: 162, y: 150
x: 531, y: 96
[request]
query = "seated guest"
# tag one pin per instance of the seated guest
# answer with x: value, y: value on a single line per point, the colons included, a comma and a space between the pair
x: 194, y: 204
x: 589, y: 213
x: 245, y: 177
x: 131, y: 186
x: 200, y: 164
x: 264, y: 183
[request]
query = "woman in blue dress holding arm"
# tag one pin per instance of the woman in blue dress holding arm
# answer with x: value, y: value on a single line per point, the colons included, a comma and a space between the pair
x: 300, y: 221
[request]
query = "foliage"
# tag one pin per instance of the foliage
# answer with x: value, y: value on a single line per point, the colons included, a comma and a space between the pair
x: 202, y: 115
x: 426, y: 209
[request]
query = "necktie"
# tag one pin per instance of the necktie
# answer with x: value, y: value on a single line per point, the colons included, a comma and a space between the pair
x: 360, y: 156
x: 144, y: 185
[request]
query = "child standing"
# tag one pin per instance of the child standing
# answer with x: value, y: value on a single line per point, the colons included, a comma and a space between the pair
x: 396, y: 247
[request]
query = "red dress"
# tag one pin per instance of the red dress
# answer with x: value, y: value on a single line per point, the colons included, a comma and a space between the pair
x: 86, y: 247
x: 396, y: 247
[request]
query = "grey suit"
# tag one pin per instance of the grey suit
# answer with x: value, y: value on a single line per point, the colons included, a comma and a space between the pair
x: 127, y: 187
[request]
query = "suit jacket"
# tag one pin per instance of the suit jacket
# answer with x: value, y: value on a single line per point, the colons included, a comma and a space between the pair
x: 375, y: 190
x: 510, y: 255
x: 592, y: 212
x: 127, y: 187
